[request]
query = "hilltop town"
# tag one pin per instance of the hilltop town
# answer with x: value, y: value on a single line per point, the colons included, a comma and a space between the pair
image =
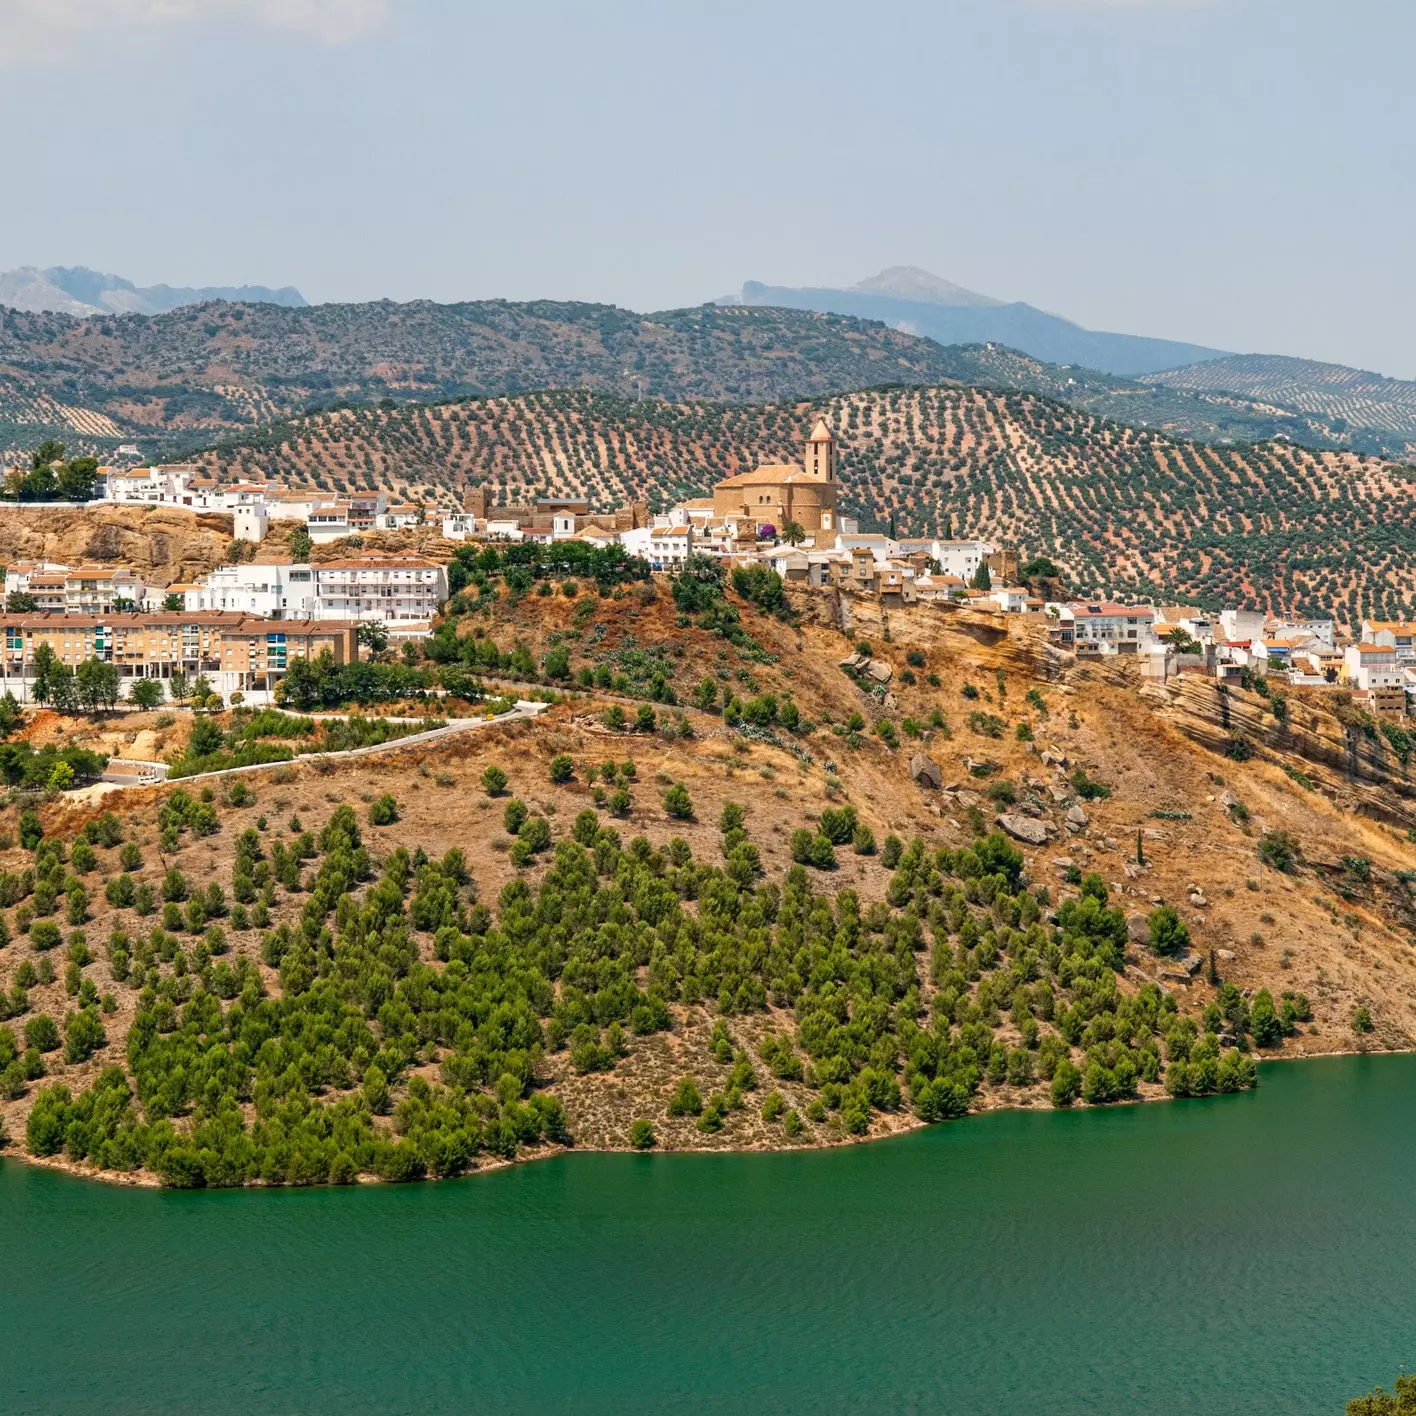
x: 298, y: 557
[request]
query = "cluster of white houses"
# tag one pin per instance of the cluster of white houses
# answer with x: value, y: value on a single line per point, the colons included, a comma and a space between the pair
x: 785, y: 516
x: 401, y: 592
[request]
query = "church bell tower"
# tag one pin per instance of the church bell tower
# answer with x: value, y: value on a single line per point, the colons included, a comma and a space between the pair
x: 821, y: 452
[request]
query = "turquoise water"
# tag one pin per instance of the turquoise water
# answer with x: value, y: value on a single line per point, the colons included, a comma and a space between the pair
x: 1233, y: 1255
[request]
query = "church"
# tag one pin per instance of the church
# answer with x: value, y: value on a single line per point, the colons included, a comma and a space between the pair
x: 779, y: 494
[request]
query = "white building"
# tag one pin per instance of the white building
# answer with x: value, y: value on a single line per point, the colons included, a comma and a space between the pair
x: 250, y: 523
x: 458, y: 526
x: 961, y: 558
x: 400, y: 518
x: 1105, y: 627
x: 1242, y: 626
x: 392, y: 589
x: 1372, y: 666
x: 274, y: 591
x: 328, y: 521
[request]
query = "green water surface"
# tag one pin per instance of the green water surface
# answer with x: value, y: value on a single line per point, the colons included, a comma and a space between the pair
x: 1242, y: 1254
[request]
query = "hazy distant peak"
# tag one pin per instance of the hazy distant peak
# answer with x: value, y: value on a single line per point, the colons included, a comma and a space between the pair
x: 76, y: 290
x: 912, y: 283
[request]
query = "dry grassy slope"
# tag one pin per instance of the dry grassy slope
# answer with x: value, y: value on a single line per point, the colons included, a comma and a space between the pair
x: 1120, y: 508
x: 165, y: 543
x: 1283, y: 932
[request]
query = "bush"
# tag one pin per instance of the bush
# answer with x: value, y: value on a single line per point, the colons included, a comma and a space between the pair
x: 83, y: 1035
x: 890, y: 855
x: 677, y: 802
x: 1087, y: 787
x: 514, y: 816
x: 1066, y: 1084
x: 1279, y: 850
x: 641, y: 1135
x: 863, y: 841
x: 41, y: 1033
x: 562, y: 768
x: 44, y: 935
x: 1362, y: 1019
x: 1169, y: 934
x: 383, y: 811
x: 686, y: 1100
x: 494, y: 780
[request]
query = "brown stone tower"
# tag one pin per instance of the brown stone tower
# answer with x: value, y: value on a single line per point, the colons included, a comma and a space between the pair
x: 821, y: 452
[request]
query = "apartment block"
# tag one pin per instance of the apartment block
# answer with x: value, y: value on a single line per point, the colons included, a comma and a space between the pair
x: 235, y: 652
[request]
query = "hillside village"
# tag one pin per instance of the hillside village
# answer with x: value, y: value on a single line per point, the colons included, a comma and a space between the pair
x: 784, y: 517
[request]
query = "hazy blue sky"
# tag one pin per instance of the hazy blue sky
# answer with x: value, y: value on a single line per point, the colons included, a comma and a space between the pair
x: 1234, y: 172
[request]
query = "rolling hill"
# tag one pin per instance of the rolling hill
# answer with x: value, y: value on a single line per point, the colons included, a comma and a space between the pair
x: 189, y: 377
x: 1123, y: 509
x: 205, y: 370
x: 1346, y: 398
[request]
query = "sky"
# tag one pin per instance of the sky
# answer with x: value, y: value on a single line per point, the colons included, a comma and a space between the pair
x: 1236, y: 173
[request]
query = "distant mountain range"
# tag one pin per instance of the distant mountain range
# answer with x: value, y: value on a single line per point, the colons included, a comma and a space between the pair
x: 76, y: 290
x: 910, y: 299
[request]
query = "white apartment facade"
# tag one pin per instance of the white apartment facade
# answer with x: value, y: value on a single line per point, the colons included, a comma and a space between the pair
x: 395, y: 590
x: 272, y: 591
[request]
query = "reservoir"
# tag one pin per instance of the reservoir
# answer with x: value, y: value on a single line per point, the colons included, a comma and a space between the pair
x: 1202, y: 1258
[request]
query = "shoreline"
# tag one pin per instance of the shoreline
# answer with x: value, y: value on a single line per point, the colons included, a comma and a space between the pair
x: 906, y: 1124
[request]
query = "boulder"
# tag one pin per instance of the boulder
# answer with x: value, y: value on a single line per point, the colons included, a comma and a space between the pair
x: 1077, y: 818
x: 1138, y: 929
x: 1193, y: 963
x: 852, y: 661
x: 1199, y: 901
x: 881, y: 673
x: 1227, y: 955
x: 1059, y: 793
x: 925, y: 771
x: 1023, y: 828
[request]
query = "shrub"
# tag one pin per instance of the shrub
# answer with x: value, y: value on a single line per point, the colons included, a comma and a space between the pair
x: 1087, y: 787
x: 839, y: 826
x: 514, y: 816
x: 494, y: 780
x: 41, y: 1033
x: 1362, y: 1019
x: 677, y: 802
x: 1279, y: 850
x: 641, y: 1134
x: 44, y: 935
x: 383, y: 811
x: 1169, y: 934
x: 1066, y: 1084
x: 890, y: 856
x: 863, y: 841
x: 83, y: 1035
x: 562, y: 768
x: 915, y: 659
x: 686, y: 1100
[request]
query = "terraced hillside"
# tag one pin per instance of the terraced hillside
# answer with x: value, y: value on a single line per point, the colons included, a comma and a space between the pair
x: 1121, y: 508
x: 1347, y: 398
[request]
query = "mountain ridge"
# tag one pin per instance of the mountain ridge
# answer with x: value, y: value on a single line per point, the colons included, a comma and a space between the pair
x: 79, y: 291
x: 980, y: 319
